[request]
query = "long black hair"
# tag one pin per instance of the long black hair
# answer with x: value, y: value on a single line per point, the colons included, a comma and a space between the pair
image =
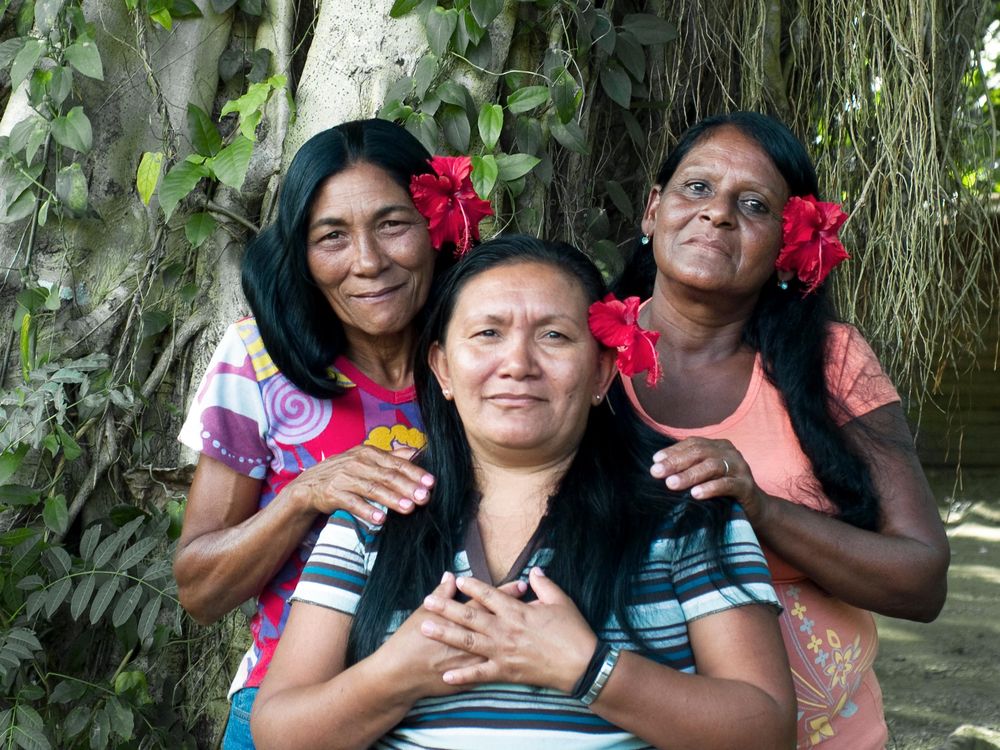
x: 790, y: 329
x: 600, y: 519
x: 302, y: 334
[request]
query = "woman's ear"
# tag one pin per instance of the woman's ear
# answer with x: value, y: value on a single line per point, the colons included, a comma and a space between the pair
x: 438, y: 361
x: 606, y: 371
x: 649, y: 215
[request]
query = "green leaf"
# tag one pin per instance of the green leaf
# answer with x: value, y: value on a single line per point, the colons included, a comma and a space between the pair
x: 89, y: 540
x: 67, y: 691
x: 25, y: 19
x: 616, y: 84
x: 452, y: 92
x: 528, y: 135
x: 631, y: 55
x: 11, y: 460
x: 564, y: 95
x: 221, y: 6
x: 20, y: 208
x: 424, y: 75
x: 603, y: 32
x: 9, y: 50
x: 46, y: 15
x: 484, y: 174
x: 253, y: 8
x: 570, y: 135
x: 71, y: 189
x: 514, y: 166
x: 61, y: 84
x: 126, y: 605
x: 484, y: 11
x: 202, y: 131
x: 424, y: 129
x: 55, y: 513
x: 38, y: 84
x: 102, y: 600
x: 185, y: 9
x: 527, y: 98
x: 15, y: 537
x: 137, y: 553
x: 490, y: 124
x: 178, y: 182
x: 148, y: 174
x: 76, y: 721
x: 199, y: 227
x: 231, y: 62
x: 162, y: 17
x: 71, y: 449
x: 100, y: 730
x: 147, y: 620
x: 456, y: 127
x: 649, y: 29
x: 230, y: 165
x: 401, y: 7
x: 56, y: 595
x: 440, y: 24
x: 81, y: 596
x: 59, y: 560
x: 86, y: 58
x: 260, y: 65
x: 25, y: 60
x: 73, y: 130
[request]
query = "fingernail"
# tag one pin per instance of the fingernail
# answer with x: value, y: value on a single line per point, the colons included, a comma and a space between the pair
x: 657, y: 457
x: 420, y: 494
x: 405, y: 503
x: 697, y: 492
x: 431, y: 601
x: 444, y: 578
x: 427, y: 627
x: 427, y: 480
x: 657, y: 470
x: 447, y: 677
x: 522, y: 586
x: 538, y: 571
x: 378, y: 516
x: 673, y: 482
x: 460, y: 581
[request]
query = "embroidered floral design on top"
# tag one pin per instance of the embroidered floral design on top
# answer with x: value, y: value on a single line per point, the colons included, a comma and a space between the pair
x: 615, y: 324
x: 811, y: 246
x: 450, y: 203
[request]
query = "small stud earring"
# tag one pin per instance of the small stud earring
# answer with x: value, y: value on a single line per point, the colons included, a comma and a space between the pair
x: 782, y: 284
x: 644, y: 240
x: 597, y: 398
x: 446, y: 393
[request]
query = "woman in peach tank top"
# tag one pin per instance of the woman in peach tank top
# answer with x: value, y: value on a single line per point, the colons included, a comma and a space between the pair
x: 776, y: 404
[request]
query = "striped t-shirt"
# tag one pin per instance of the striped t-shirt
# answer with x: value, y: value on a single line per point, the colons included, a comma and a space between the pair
x: 673, y: 587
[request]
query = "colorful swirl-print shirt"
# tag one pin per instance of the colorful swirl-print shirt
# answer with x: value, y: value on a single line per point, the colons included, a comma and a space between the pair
x: 250, y: 417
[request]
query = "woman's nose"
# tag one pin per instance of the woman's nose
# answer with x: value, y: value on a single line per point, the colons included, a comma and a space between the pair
x: 518, y: 358
x: 369, y: 259
x: 719, y: 210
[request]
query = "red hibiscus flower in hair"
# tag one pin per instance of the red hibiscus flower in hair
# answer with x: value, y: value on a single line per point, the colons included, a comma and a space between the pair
x: 811, y: 246
x: 449, y: 202
x: 616, y: 325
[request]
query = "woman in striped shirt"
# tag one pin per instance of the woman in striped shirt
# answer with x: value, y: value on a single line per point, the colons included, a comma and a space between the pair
x: 582, y: 604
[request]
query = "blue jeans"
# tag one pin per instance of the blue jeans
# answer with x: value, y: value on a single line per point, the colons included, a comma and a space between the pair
x: 237, y: 736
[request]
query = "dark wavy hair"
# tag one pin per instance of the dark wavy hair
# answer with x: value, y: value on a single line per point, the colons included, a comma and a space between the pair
x: 302, y: 334
x: 601, y: 518
x: 789, y: 329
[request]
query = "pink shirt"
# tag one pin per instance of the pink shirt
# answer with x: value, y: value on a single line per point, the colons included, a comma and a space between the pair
x: 831, y: 645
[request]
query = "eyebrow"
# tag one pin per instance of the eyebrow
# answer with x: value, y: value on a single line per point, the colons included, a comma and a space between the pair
x: 336, y: 221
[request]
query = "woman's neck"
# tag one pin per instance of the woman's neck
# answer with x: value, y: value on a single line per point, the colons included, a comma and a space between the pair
x: 511, y: 490
x: 386, y: 359
x: 696, y: 326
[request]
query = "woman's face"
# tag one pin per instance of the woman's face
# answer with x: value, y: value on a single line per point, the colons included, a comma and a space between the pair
x: 716, y: 224
x: 369, y: 252
x: 520, y: 363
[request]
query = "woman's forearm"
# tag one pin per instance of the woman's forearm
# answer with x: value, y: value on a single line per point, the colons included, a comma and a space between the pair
x: 351, y: 710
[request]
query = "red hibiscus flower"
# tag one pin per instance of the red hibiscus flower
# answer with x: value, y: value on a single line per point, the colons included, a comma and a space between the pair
x: 449, y: 202
x: 616, y: 325
x: 811, y: 245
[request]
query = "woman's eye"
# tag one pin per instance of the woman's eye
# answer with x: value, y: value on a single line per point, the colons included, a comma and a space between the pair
x: 554, y: 335
x: 755, y: 207
x: 698, y: 188
x: 486, y: 333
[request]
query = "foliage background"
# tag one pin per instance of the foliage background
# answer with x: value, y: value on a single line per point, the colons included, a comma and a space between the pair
x: 142, y: 141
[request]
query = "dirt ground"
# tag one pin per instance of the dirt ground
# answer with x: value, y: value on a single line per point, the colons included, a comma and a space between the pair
x: 944, y: 675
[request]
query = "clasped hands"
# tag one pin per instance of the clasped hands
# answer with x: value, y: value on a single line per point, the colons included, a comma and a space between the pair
x: 495, y: 637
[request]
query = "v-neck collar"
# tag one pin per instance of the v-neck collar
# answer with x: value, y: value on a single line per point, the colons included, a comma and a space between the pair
x: 476, y: 554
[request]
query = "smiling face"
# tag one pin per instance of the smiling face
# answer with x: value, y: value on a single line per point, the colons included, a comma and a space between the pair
x: 520, y: 363
x: 716, y: 224
x: 369, y: 253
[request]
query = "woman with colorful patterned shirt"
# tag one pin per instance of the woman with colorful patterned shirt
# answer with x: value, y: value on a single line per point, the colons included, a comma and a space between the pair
x: 308, y: 407
x: 653, y: 623
x: 776, y: 404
